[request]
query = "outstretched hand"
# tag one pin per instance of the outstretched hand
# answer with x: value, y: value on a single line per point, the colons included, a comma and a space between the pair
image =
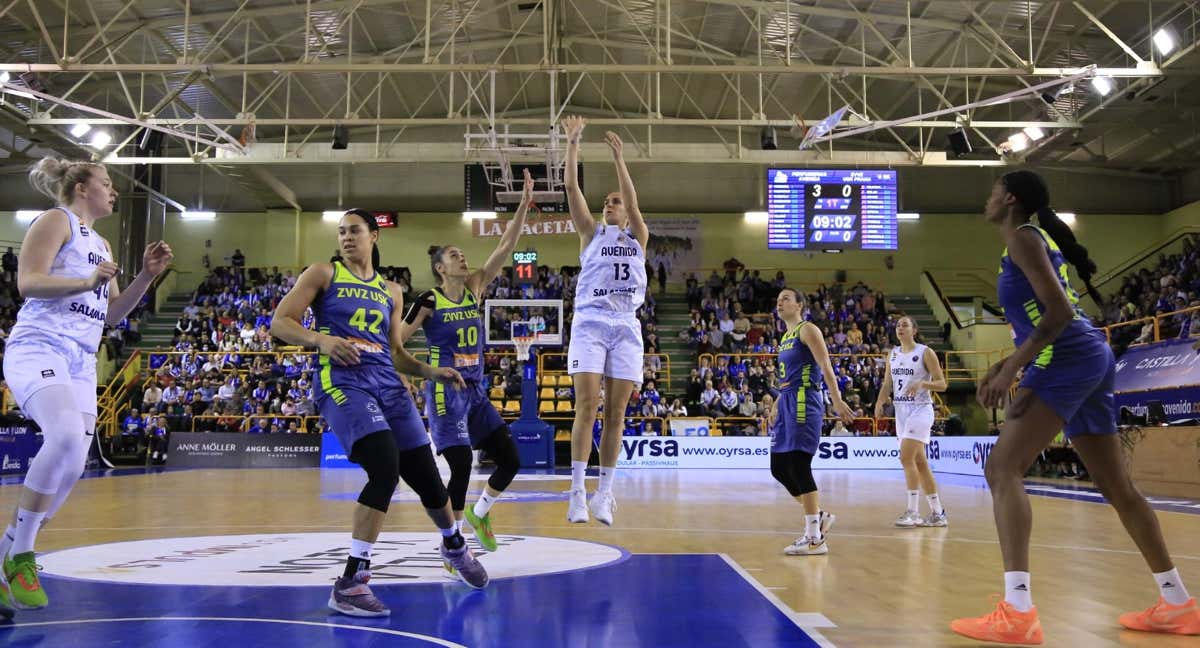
x: 527, y: 190
x: 573, y: 127
x: 614, y: 142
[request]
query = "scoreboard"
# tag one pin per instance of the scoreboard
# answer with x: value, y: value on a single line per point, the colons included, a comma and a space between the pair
x: 525, y: 270
x: 813, y: 209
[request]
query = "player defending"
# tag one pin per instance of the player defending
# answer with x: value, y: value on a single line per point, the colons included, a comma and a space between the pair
x: 463, y: 419
x: 606, y: 337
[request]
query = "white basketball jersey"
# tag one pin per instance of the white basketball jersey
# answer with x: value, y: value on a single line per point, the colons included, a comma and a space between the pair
x: 907, y: 367
x: 79, y: 317
x: 613, y: 274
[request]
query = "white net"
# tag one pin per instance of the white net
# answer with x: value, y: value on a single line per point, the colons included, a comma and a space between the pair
x: 523, y: 344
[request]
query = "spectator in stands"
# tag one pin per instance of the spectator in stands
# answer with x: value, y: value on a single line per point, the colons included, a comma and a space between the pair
x: 133, y: 430
x: 709, y: 399
x: 158, y: 440
x: 728, y: 400
x: 152, y: 395
x: 840, y: 430
x: 677, y: 408
x: 9, y: 264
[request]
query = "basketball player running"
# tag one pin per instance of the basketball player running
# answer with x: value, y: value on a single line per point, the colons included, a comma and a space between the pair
x: 68, y: 278
x: 366, y: 405
x: 1067, y: 385
x: 606, y: 337
x: 912, y: 373
x: 800, y: 411
x: 461, y: 420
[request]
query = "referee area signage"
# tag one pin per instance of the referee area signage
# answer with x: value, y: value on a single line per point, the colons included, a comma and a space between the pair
x: 240, y: 450
x: 960, y: 455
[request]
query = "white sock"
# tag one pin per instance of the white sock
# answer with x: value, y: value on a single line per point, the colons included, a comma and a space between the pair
x: 484, y: 504
x: 606, y: 479
x: 1171, y: 587
x: 6, y: 542
x: 1016, y: 590
x: 913, y: 500
x: 812, y: 527
x: 361, y: 549
x: 578, y: 472
x: 449, y: 531
x: 935, y: 503
x: 458, y: 525
x: 28, y: 524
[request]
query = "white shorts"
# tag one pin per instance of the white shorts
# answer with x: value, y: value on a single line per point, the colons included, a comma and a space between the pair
x: 606, y: 343
x: 32, y: 365
x: 914, y: 423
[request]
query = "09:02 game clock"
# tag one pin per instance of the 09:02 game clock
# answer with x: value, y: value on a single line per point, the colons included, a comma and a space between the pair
x: 831, y: 209
x: 525, y: 267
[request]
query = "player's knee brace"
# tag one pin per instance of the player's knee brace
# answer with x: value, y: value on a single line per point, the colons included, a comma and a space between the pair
x: 419, y: 471
x: 376, y: 453
x: 460, y: 460
x: 781, y: 470
x: 503, y: 450
x: 802, y: 471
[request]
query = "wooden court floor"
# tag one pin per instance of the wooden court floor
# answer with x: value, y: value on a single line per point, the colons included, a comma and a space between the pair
x: 879, y: 585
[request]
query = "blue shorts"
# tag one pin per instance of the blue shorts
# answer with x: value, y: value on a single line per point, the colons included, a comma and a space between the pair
x: 459, y: 417
x: 361, y: 401
x: 798, y: 419
x: 1079, y: 389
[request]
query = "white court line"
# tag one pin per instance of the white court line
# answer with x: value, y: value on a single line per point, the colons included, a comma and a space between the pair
x: 398, y: 633
x: 808, y: 622
x: 906, y: 537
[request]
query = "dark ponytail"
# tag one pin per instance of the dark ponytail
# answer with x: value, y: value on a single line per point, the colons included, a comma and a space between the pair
x: 1031, y: 192
x: 373, y: 226
x: 435, y: 257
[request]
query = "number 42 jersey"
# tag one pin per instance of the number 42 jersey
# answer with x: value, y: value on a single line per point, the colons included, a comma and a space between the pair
x: 359, y: 310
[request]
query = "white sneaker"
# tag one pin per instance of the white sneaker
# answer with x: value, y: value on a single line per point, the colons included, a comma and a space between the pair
x: 602, y: 506
x: 827, y: 520
x: 935, y: 520
x: 577, y: 511
x: 798, y: 547
x: 908, y: 520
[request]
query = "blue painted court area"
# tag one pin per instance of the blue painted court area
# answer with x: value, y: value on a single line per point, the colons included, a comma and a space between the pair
x: 646, y: 600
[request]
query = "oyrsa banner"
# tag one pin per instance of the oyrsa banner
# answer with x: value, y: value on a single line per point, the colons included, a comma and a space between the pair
x: 961, y: 455
x: 534, y: 226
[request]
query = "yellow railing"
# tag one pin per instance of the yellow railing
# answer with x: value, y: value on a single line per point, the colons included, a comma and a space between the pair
x: 114, y: 394
x: 664, y: 374
x: 1157, y: 319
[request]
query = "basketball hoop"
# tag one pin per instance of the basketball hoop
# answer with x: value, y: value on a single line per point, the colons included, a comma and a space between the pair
x: 523, y: 343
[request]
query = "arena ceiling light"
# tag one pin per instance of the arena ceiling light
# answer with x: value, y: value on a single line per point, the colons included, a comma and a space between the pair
x: 332, y: 216
x: 478, y: 215
x: 1034, y: 133
x: 27, y: 215
x: 1103, y: 85
x: 1018, y: 142
x: 198, y: 215
x: 1067, y: 217
x: 908, y: 216
x: 100, y: 139
x: 80, y: 129
x: 5, y: 76
x: 757, y: 217
x: 1164, y: 41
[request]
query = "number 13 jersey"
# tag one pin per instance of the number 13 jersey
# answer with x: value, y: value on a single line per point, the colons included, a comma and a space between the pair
x: 613, y: 274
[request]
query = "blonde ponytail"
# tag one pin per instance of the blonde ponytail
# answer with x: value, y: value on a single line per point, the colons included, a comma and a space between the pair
x: 56, y: 178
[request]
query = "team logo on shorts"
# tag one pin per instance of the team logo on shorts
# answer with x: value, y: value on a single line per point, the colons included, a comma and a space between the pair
x: 47, y: 373
x: 574, y: 364
x: 372, y: 407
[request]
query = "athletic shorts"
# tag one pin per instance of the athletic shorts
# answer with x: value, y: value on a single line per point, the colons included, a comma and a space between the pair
x: 364, y: 400
x: 1079, y: 389
x: 914, y: 422
x: 798, y: 418
x: 606, y: 343
x: 31, y: 365
x: 459, y: 417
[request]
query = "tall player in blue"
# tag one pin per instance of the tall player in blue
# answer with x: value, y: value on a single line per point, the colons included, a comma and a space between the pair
x: 805, y: 374
x: 606, y: 336
x: 366, y: 405
x: 1066, y: 384
x: 463, y: 419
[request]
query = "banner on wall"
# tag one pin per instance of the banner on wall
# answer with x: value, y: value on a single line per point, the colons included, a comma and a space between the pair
x: 19, y: 442
x: 1178, y: 405
x: 1165, y: 365
x: 535, y: 225
x: 959, y: 455
x: 675, y: 245
x: 241, y: 450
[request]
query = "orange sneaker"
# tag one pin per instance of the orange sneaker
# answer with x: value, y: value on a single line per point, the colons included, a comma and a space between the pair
x: 1164, y: 617
x: 1004, y: 625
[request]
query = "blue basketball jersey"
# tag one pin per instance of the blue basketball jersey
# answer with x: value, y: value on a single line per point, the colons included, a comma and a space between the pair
x: 798, y: 368
x: 1024, y: 311
x: 454, y: 331
x: 359, y: 310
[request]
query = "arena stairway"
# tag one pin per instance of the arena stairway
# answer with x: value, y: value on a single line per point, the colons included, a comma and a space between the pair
x: 673, y: 318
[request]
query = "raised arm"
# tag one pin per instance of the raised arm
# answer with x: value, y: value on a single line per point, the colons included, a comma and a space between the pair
x: 637, y: 224
x: 585, y: 224
x: 491, y: 268
x: 45, y: 238
x: 415, y: 314
x: 155, y: 259
x: 811, y: 336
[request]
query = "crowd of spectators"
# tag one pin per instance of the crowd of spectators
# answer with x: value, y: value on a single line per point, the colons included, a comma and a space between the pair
x: 1171, y: 285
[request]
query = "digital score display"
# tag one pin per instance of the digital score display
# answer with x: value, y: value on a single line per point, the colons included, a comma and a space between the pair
x: 814, y: 209
x: 525, y: 267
